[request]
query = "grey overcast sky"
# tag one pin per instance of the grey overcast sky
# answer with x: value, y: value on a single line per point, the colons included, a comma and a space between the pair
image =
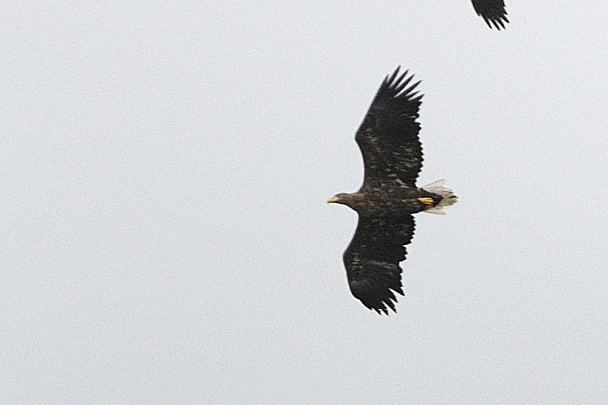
x: 165, y: 237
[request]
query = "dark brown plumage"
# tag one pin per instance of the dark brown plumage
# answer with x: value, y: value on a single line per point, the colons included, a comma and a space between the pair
x: 493, y: 12
x: 392, y: 156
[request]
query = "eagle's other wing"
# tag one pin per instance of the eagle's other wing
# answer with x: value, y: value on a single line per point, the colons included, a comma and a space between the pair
x: 372, y: 260
x: 388, y: 136
x: 492, y: 11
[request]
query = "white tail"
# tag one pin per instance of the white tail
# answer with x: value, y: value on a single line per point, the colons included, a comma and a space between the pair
x: 449, y: 198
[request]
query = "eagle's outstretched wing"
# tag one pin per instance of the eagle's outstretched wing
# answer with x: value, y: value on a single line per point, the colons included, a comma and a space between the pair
x: 492, y: 11
x: 388, y: 136
x: 372, y: 260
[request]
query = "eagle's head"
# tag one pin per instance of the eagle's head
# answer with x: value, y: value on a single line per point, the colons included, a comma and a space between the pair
x: 350, y: 200
x: 340, y: 198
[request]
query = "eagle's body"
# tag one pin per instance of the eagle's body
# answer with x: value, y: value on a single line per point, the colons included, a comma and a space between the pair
x: 493, y: 12
x: 389, y: 201
x: 392, y: 155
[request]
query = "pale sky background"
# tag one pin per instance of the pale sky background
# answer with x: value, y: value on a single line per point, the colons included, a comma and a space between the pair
x: 165, y: 237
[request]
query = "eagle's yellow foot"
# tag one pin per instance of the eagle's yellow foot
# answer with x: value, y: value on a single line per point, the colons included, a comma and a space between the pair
x: 428, y: 201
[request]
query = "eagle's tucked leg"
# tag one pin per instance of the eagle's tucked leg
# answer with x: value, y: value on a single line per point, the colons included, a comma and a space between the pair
x: 428, y: 201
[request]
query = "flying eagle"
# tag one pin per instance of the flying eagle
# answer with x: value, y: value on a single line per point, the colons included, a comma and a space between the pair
x: 392, y: 156
x: 492, y: 11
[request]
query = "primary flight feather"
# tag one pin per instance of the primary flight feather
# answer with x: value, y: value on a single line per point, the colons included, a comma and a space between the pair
x: 493, y: 12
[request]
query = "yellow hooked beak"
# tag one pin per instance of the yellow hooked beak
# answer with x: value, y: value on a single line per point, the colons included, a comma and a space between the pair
x: 333, y: 200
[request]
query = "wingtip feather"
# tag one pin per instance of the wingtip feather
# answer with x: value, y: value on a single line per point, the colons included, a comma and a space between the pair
x: 397, y: 84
